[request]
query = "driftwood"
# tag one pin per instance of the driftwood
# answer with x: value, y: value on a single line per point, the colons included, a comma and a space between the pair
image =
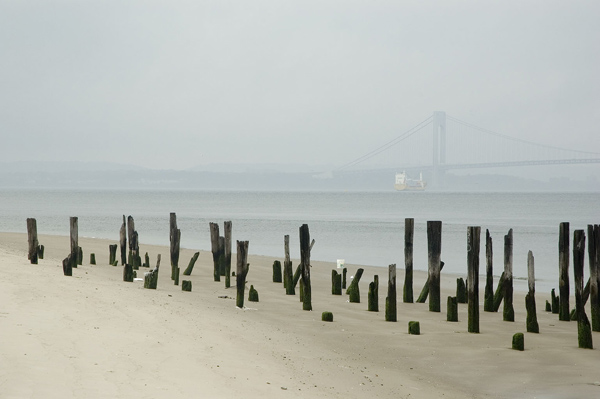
x: 594, y: 262
x: 227, y: 252
x: 425, y: 291
x: 241, y: 272
x: 488, y: 297
x: 434, y: 248
x: 532, y: 323
x: 373, y: 295
x: 409, y: 232
x: 32, y: 240
x: 473, y: 234
x: 123, y: 241
x: 584, y: 329
x: 305, y: 247
x: 391, y: 313
x: 508, y: 313
x: 353, y: 290
x: 563, y: 266
x: 190, y: 267
x: 151, y: 277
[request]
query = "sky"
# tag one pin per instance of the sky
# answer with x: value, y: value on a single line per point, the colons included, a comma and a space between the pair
x: 177, y: 84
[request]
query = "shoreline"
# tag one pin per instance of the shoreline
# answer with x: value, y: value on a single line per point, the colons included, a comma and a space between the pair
x: 93, y: 335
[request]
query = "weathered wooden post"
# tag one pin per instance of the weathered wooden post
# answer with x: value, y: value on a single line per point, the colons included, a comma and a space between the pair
x: 344, y: 272
x: 594, y: 261
x: 434, y: 249
x: 40, y: 252
x: 173, y: 239
x: 32, y: 240
x: 473, y: 234
x: 508, y: 313
x: 373, y: 295
x: 146, y: 260
x: 214, y: 246
x: 128, y: 272
x: 151, y: 277
x: 123, y: 242
x: 175, y: 247
x: 336, y: 283
x: 305, y: 247
x: 409, y: 232
x: 391, y: 313
x: 241, y: 272
x: 68, y: 266
x: 532, y: 323
x: 252, y: 294
x: 452, y: 309
x: 277, y: 271
x: 414, y: 328
x: 488, y: 297
x: 177, y: 272
x: 112, y: 254
x: 92, y: 259
x: 288, y: 272
x: 327, y: 316
x: 227, y: 254
x: 584, y: 329
x: 79, y: 256
x: 461, y: 290
x: 518, y: 342
x: 499, y: 294
x: 425, y: 290
x: 186, y: 285
x: 353, y: 290
x: 563, y: 265
x: 73, y: 222
x: 555, y: 301
x: 190, y: 267
x: 222, y: 255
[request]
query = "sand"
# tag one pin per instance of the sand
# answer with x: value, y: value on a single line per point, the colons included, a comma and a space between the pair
x: 94, y: 336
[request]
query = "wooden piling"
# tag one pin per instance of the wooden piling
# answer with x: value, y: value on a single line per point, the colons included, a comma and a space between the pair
x: 425, y: 290
x: 563, y: 266
x: 288, y: 272
x: 584, y: 329
x: 74, y: 230
x: 353, y: 290
x: 434, y: 248
x: 214, y: 245
x: 92, y: 259
x: 252, y: 294
x: 409, y: 232
x: 190, y: 267
x: 336, y: 283
x: 473, y: 234
x: 227, y: 252
x: 68, y: 266
x: 488, y: 297
x: 175, y: 247
x: 123, y: 241
x: 452, y: 309
x: 186, y: 285
x: 112, y: 254
x: 414, y: 328
x: 594, y: 262
x: 277, y: 272
x: 32, y: 240
x: 532, y: 323
x: 508, y: 313
x: 344, y: 272
x: 391, y: 313
x: 222, y: 256
x: 151, y: 277
x: 461, y: 290
x: 79, y: 256
x: 499, y: 294
x: 305, y: 246
x: 241, y: 272
x: 40, y: 252
x: 518, y: 342
x: 327, y: 316
x: 373, y: 295
x: 128, y: 272
x: 555, y: 301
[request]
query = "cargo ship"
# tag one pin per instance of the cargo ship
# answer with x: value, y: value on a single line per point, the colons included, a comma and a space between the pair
x: 404, y: 183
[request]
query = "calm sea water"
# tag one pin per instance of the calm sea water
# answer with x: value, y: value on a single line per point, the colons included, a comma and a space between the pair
x: 360, y: 227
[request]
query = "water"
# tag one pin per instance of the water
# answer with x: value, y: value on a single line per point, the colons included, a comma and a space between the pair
x: 364, y: 228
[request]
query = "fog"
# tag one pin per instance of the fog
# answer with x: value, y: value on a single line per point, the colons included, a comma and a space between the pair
x: 178, y: 85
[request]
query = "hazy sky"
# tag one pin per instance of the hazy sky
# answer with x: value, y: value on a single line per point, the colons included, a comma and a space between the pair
x: 174, y: 84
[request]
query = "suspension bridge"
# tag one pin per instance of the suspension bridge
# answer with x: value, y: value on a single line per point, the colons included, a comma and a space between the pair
x: 441, y: 143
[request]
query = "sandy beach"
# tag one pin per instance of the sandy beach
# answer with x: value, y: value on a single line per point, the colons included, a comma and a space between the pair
x: 94, y: 336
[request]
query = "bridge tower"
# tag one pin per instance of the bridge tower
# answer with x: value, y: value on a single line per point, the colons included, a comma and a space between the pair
x: 439, y: 148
